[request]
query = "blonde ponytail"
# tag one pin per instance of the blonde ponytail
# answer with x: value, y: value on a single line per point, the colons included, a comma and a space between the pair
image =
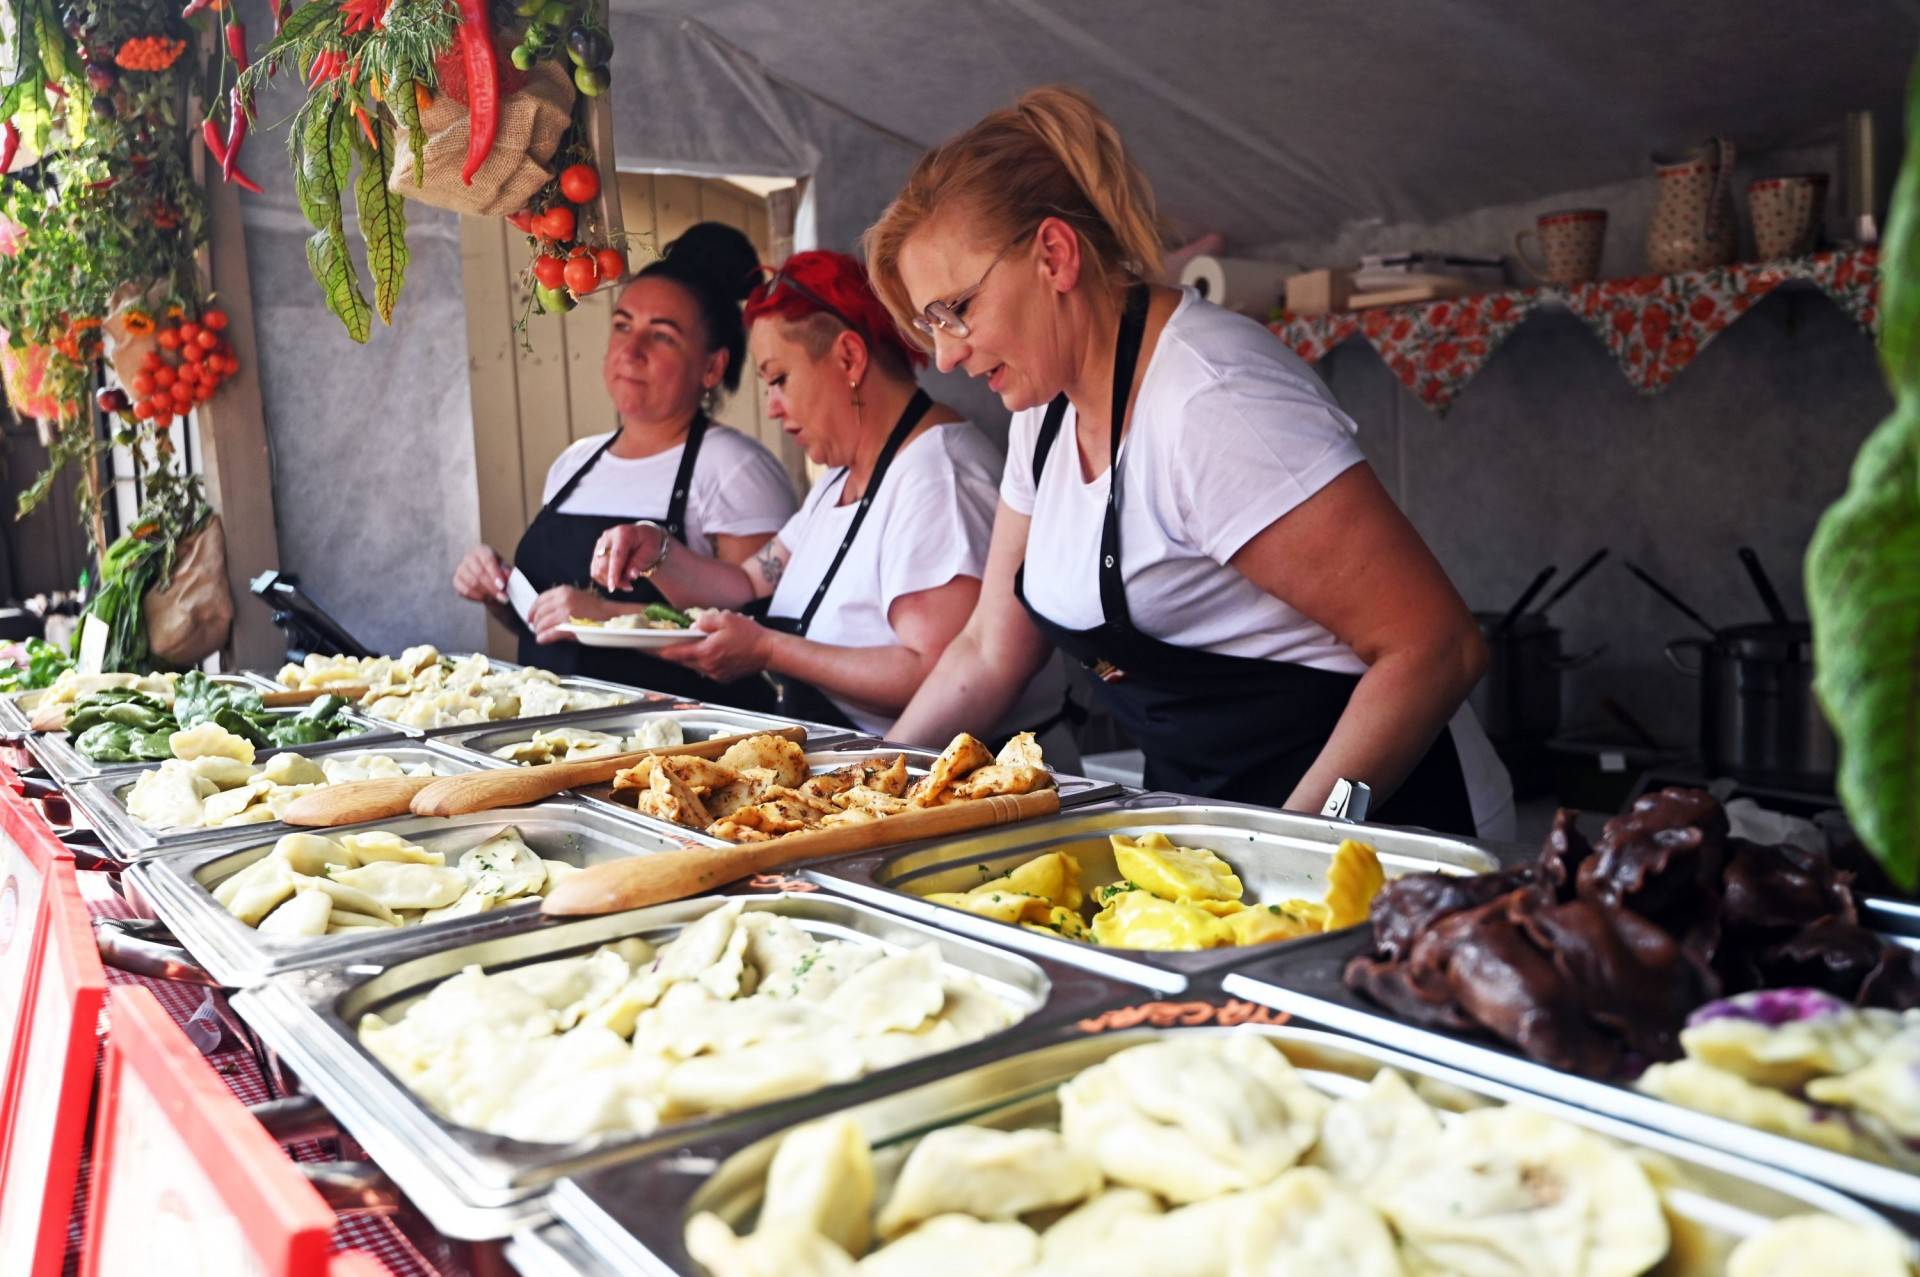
x: 1053, y: 153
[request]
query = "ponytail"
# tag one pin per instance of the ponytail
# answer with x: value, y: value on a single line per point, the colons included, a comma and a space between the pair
x: 1053, y: 153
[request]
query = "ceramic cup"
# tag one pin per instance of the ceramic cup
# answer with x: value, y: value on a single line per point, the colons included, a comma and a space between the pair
x: 1570, y: 240
x: 1787, y: 213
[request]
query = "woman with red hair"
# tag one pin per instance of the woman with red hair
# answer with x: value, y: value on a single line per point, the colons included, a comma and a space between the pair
x: 864, y: 587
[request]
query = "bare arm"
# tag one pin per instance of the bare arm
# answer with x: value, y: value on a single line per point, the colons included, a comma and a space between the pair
x: 980, y: 676
x: 688, y: 579
x: 738, y: 549
x: 1347, y: 558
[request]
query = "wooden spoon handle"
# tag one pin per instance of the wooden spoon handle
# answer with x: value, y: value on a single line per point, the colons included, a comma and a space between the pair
x: 354, y: 801
x: 518, y: 786
x: 674, y: 875
x: 308, y: 695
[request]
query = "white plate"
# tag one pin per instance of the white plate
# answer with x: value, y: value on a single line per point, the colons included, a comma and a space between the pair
x: 603, y: 636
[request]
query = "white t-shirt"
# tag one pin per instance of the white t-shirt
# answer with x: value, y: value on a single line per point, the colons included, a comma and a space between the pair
x: 929, y: 523
x: 1230, y: 431
x: 739, y: 488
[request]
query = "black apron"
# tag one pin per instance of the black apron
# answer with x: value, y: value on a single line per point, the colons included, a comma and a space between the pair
x: 557, y: 549
x: 1219, y: 726
x: 795, y: 697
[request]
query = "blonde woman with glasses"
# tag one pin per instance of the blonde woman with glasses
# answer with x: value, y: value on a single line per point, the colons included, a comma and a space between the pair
x: 1184, y: 509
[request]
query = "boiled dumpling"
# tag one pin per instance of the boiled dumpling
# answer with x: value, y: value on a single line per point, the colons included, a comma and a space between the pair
x: 1092, y: 1222
x: 821, y: 1178
x: 571, y: 987
x: 987, y: 1173
x: 224, y: 771
x: 1307, y: 1223
x: 169, y: 797
x: 1747, y: 1036
x: 1141, y: 920
x: 379, y: 844
x: 1155, y: 864
x: 1508, y: 1190
x: 901, y: 991
x: 1191, y: 1118
x: 1353, y: 880
x: 1188, y: 1242
x: 1820, y: 1246
x: 758, y: 1073
x: 311, y: 854
x: 306, y: 914
x: 956, y: 1246
x: 292, y: 769
x: 229, y: 805
x: 400, y: 885
x: 348, y: 897
x: 1264, y: 924
x: 1362, y: 1133
x: 777, y: 1250
x: 260, y: 891
x: 1055, y: 877
x: 209, y: 739
x: 1887, y: 1088
x: 998, y: 904
x: 507, y: 855
x: 1694, y: 1085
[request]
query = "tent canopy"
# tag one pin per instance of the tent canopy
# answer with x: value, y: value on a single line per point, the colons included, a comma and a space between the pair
x: 1272, y: 121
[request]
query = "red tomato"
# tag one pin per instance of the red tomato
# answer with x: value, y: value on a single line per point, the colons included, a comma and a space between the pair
x: 215, y: 319
x: 556, y: 223
x: 612, y: 263
x: 579, y: 182
x: 188, y: 373
x: 523, y: 221
x: 150, y: 361
x: 168, y: 339
x: 204, y: 391
x: 582, y: 275
x: 182, y: 395
x: 549, y: 270
x: 207, y: 339
x: 193, y: 352
x: 143, y: 384
x: 163, y: 377
x: 188, y: 330
x: 142, y: 410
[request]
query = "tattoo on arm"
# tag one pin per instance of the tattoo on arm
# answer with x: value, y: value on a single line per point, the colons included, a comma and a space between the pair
x: 772, y: 563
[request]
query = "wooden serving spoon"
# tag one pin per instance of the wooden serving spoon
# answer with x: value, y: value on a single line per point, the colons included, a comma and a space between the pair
x: 518, y: 786
x: 659, y: 877
x: 53, y: 718
x: 355, y: 801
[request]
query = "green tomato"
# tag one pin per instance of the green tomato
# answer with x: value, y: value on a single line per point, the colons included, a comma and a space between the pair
x: 554, y: 301
x: 592, y: 81
x: 537, y: 34
x: 523, y: 57
x: 556, y: 13
x: 529, y: 8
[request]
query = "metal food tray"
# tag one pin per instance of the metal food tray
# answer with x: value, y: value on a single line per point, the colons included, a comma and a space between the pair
x: 1075, y: 791
x: 180, y: 885
x: 697, y: 723
x: 630, y: 696
x: 632, y: 1218
x: 1894, y: 917
x: 1276, y: 854
x: 67, y: 765
x: 479, y: 1186
x: 16, y: 708
x: 104, y: 797
x: 1306, y: 982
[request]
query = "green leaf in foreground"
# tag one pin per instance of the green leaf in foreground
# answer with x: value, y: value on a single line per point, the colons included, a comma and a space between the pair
x: 1863, y: 570
x: 383, y: 220
x: 327, y: 259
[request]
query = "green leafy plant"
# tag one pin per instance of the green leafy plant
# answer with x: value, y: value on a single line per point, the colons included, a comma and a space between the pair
x: 1863, y: 569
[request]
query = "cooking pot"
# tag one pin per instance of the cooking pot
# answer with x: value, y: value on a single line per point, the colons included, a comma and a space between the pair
x: 1759, y: 721
x: 1519, y: 697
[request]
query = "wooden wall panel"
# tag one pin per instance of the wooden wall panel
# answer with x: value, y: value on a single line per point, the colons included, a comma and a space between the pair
x: 493, y: 375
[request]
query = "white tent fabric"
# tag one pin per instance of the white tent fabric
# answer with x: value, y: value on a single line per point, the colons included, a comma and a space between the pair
x: 1267, y: 121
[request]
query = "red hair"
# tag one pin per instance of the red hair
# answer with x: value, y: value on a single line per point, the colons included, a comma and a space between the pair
x: 840, y: 290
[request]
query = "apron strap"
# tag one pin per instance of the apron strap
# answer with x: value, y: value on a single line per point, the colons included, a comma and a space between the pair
x: 676, y: 522
x: 573, y: 480
x: 917, y: 408
x: 1126, y: 357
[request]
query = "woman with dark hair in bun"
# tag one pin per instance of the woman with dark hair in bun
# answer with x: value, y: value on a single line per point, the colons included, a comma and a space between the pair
x: 862, y: 590
x: 677, y: 338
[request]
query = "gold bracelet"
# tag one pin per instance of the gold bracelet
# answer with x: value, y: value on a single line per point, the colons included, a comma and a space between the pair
x: 666, y: 544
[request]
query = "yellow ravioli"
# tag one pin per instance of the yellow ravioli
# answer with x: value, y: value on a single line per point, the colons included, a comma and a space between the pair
x: 1055, y: 876
x: 1061, y: 921
x: 1265, y: 923
x: 1175, y: 873
x: 1137, y: 920
x: 1353, y: 880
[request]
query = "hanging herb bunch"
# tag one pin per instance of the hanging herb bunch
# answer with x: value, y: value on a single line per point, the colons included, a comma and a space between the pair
x: 467, y: 105
x: 103, y: 218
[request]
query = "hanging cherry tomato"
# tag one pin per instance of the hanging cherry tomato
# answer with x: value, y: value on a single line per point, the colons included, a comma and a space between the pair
x: 168, y: 339
x: 143, y: 384
x: 188, y: 330
x: 579, y: 182
x: 555, y: 224
x: 583, y: 276
x: 194, y: 352
x: 163, y: 377
x: 549, y: 270
x: 612, y: 263
x: 215, y: 319
x: 207, y: 339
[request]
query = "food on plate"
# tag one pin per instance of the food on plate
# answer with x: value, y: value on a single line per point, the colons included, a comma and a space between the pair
x: 1591, y: 958
x: 420, y: 688
x: 1212, y: 1156
x: 200, y: 716
x: 1803, y: 1064
x: 375, y: 880
x: 1168, y: 898
x: 571, y: 744
x: 212, y: 783
x: 761, y: 787
x: 656, y: 616
x: 740, y: 1008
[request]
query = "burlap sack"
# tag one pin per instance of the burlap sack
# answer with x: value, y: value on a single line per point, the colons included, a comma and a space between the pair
x: 188, y: 615
x: 531, y: 124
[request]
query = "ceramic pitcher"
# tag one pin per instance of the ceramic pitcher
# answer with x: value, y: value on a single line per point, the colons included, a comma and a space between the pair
x: 1693, y: 224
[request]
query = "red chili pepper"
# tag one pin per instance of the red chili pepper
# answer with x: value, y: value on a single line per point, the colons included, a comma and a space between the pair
x: 483, y: 84
x: 237, y: 125
x: 9, y: 145
x: 237, y: 43
x: 279, y: 14
x: 245, y: 183
x: 366, y: 125
x: 210, y: 134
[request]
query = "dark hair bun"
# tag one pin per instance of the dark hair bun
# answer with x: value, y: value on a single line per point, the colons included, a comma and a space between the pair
x: 718, y: 253
x: 719, y: 266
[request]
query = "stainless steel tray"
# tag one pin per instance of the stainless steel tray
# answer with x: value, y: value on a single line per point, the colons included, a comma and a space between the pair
x: 180, y: 885
x: 697, y: 723
x: 1277, y: 855
x: 1894, y: 917
x: 56, y: 752
x: 631, y: 696
x: 1075, y: 791
x: 480, y: 1186
x: 16, y: 708
x: 632, y: 1218
x: 104, y: 797
x: 1306, y: 982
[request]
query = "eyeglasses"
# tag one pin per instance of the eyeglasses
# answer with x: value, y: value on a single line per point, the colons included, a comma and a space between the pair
x: 945, y: 315
x: 783, y: 280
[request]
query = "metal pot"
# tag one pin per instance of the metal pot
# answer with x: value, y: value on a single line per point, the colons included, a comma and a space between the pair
x: 1519, y: 697
x: 1759, y: 721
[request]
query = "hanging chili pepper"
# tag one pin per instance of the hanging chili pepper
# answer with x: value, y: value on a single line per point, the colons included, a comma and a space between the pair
x: 279, y: 8
x: 239, y: 105
x: 366, y: 125
x: 483, y: 84
x: 210, y: 134
x: 9, y: 145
